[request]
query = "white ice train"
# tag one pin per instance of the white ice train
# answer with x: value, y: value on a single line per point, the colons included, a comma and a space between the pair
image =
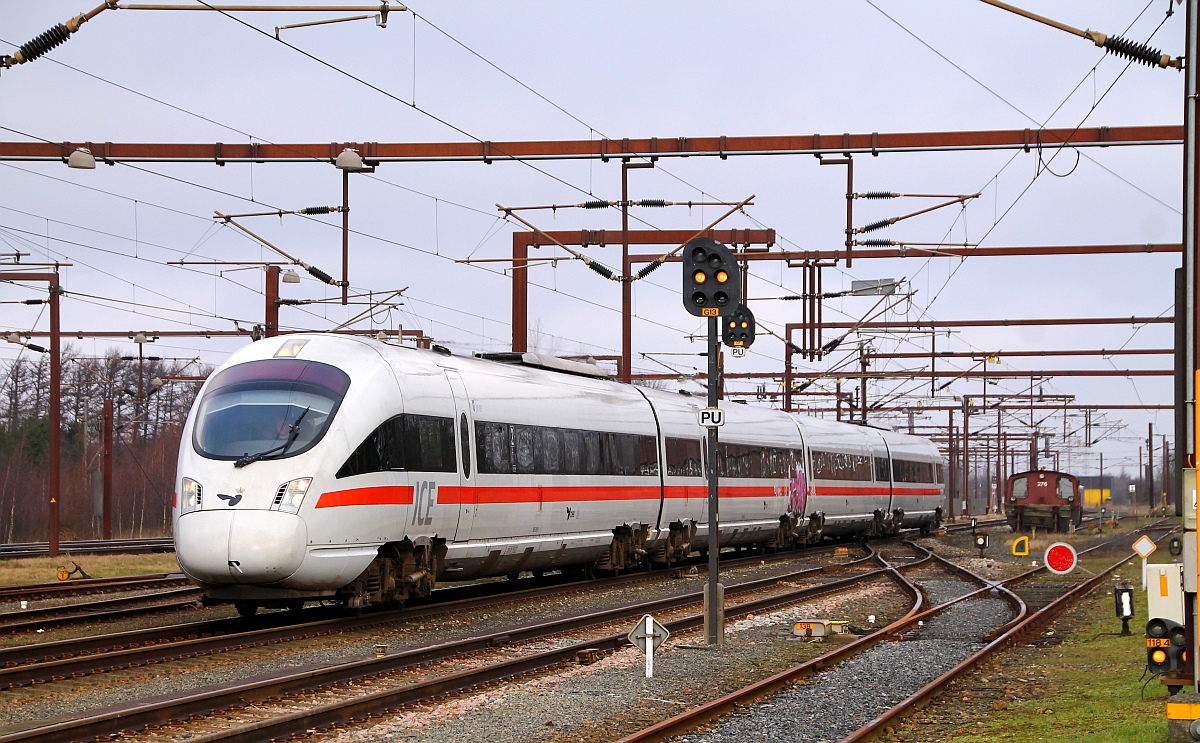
x: 329, y: 467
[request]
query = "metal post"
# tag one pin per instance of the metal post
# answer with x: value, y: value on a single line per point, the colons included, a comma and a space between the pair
x: 1150, y: 496
x: 966, y: 454
x: 714, y: 609
x: 952, y: 469
x: 520, y: 296
x: 271, y: 314
x: 625, y: 373
x: 55, y: 412
x: 1186, y: 445
x: 862, y: 394
x: 345, y: 236
x: 106, y: 494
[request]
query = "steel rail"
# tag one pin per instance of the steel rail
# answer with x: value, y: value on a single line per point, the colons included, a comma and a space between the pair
x: 29, y: 664
x: 90, y: 546
x: 118, y: 608
x: 135, y: 718
x: 91, y: 585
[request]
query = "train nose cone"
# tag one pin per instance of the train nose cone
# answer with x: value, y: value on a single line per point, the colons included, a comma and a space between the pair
x: 249, y: 546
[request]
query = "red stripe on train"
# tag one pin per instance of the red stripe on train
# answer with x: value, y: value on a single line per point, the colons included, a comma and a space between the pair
x: 385, y: 495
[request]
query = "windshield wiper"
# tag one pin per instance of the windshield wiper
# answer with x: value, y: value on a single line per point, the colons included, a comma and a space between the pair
x: 293, y: 433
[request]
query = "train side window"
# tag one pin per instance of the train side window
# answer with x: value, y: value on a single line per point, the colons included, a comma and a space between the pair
x: 1066, y: 489
x: 683, y: 458
x: 493, y: 445
x: 523, y: 450
x: 592, y: 460
x: 548, y: 451
x: 882, y: 470
x: 464, y: 434
x: 419, y: 443
x: 940, y: 473
x: 647, y: 455
x: 1020, y: 488
x: 573, y: 453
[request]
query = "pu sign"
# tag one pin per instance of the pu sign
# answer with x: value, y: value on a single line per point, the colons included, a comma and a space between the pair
x: 711, y: 417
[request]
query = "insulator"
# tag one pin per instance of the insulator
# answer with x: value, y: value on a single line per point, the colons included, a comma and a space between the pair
x: 793, y: 296
x: 878, y: 243
x: 831, y: 345
x: 31, y: 50
x: 604, y: 271
x: 36, y: 347
x: 878, y: 195
x: 33, y: 301
x: 321, y: 275
x: 656, y: 203
x: 596, y: 205
x: 1134, y: 50
x: 289, y: 302
x: 317, y: 209
x: 875, y: 225
x: 649, y: 268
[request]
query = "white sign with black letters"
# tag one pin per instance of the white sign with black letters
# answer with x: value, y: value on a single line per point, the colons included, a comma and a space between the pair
x: 711, y: 417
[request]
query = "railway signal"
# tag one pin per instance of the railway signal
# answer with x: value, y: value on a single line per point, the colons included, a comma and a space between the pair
x: 1123, y: 596
x: 1166, y: 647
x: 712, y: 285
x: 1060, y: 558
x: 737, y: 328
x: 712, y: 288
x: 981, y: 543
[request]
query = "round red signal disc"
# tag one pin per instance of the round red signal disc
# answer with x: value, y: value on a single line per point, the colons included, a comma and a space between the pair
x: 1061, y: 558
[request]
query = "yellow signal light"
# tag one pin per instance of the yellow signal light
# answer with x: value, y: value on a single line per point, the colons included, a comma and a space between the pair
x: 722, y: 277
x: 699, y: 277
x: 745, y: 324
x: 1159, y: 656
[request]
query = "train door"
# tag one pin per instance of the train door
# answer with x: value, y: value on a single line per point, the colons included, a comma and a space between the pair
x: 464, y: 428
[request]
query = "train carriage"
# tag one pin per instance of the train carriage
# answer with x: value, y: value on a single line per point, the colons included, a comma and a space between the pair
x: 325, y: 467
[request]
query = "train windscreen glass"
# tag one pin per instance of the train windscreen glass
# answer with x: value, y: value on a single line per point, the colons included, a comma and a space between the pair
x: 1020, y: 488
x: 268, y: 409
x: 1066, y: 489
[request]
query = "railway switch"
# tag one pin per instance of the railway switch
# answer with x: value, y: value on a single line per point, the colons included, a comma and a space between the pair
x: 712, y: 281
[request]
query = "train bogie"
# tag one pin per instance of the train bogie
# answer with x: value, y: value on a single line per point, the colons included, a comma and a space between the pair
x: 328, y: 467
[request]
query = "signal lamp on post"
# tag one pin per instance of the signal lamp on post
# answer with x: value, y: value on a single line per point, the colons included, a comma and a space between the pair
x: 737, y: 328
x: 712, y: 284
x: 1123, y: 596
x: 981, y: 542
x: 1166, y: 648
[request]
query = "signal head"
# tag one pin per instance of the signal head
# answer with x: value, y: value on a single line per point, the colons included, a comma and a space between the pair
x: 711, y: 278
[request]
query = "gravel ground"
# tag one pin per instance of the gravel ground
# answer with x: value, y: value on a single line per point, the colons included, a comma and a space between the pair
x: 95, y: 692
x: 835, y: 703
x: 608, y: 699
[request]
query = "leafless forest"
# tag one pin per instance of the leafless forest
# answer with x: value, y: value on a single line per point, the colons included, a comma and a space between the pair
x: 148, y: 416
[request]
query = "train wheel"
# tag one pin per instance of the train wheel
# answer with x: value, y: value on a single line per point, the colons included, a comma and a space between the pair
x: 245, y: 608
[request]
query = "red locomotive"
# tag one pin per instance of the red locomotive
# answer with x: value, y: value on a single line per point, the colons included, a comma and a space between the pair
x: 1044, y: 499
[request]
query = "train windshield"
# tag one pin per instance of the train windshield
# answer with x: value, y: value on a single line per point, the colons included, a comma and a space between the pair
x: 1020, y: 488
x: 1066, y: 489
x: 268, y: 409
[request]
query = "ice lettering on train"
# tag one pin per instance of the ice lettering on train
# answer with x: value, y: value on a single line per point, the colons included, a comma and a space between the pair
x: 424, y: 497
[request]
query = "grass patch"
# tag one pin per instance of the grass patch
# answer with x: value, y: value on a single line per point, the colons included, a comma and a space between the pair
x: 1089, y: 685
x: 24, y: 570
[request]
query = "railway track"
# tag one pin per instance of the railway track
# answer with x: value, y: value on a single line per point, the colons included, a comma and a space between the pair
x: 1025, y: 621
x: 89, y: 546
x: 87, y: 586
x: 269, y: 708
x: 73, y: 658
x: 25, y: 620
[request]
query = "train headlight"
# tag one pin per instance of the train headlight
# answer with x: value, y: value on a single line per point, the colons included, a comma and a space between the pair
x: 291, y: 493
x: 192, y: 496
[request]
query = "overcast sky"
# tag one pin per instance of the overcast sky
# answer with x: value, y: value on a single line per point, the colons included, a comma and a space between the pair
x: 567, y: 70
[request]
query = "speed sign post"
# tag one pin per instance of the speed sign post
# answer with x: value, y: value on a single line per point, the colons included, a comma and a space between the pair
x: 712, y: 288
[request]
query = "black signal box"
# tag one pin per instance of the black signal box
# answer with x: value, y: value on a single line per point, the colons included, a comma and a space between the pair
x: 737, y: 328
x: 712, y: 279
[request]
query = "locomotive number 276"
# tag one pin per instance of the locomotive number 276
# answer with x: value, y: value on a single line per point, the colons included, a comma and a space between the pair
x: 424, y: 498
